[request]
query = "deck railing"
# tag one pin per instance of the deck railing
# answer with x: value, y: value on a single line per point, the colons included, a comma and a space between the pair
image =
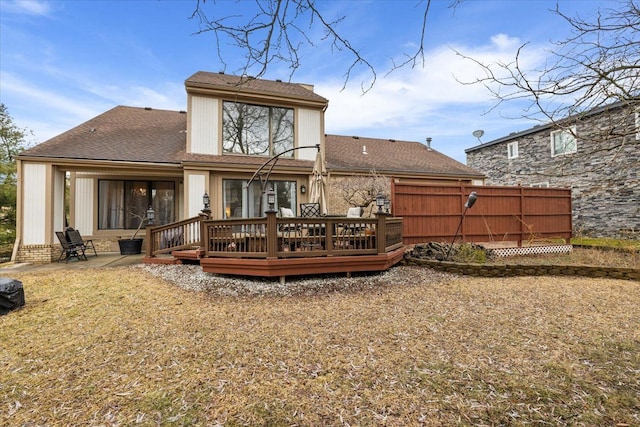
x: 176, y: 236
x: 274, y: 237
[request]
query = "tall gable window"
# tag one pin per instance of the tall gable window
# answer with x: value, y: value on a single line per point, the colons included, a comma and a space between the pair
x: 256, y: 130
x: 563, y: 142
x: 512, y: 150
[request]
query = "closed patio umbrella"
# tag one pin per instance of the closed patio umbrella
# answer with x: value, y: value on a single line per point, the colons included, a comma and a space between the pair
x: 318, y: 192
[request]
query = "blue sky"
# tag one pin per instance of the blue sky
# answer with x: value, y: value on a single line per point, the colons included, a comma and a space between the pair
x: 64, y: 62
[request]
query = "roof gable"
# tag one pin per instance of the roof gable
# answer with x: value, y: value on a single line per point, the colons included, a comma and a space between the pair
x: 220, y: 83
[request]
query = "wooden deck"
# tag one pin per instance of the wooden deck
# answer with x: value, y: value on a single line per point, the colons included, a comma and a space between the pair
x: 279, y: 247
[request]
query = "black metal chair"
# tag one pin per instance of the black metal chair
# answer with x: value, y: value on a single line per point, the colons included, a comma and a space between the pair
x: 69, y: 250
x: 309, y: 210
x: 76, y: 239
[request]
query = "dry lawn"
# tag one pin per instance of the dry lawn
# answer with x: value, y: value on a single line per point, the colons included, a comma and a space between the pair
x: 122, y: 347
x: 620, y: 258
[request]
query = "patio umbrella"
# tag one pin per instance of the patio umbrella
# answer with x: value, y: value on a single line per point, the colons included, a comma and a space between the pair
x: 318, y: 192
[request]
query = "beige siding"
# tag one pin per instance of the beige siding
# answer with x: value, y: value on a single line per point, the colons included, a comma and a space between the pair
x: 84, y: 205
x: 309, y: 128
x: 196, y: 188
x: 58, y: 200
x: 204, y: 125
x: 34, y: 204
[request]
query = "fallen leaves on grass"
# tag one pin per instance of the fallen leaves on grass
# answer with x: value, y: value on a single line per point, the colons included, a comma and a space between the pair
x: 406, y: 347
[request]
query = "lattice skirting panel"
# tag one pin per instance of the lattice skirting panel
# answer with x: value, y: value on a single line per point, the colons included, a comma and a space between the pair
x: 533, y: 250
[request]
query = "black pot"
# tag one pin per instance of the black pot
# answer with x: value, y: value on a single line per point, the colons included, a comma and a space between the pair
x: 130, y: 246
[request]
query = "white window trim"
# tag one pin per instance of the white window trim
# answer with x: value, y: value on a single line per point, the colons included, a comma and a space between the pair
x: 573, y: 133
x: 512, y: 147
x: 544, y: 184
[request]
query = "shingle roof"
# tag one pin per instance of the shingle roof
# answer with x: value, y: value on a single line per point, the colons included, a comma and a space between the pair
x: 121, y: 134
x: 390, y: 156
x: 242, y: 160
x: 227, y: 82
x: 159, y: 136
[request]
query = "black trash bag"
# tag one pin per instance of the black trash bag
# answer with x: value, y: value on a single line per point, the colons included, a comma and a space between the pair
x: 11, y: 295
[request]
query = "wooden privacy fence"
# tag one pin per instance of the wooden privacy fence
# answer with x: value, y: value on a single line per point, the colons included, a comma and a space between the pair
x: 500, y: 214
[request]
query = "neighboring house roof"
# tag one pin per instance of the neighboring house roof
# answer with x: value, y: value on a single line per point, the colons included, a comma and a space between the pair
x: 252, y: 86
x: 121, y: 134
x: 146, y: 135
x: 390, y: 156
x: 552, y: 125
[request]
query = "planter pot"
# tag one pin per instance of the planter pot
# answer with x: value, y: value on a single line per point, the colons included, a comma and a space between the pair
x: 130, y: 246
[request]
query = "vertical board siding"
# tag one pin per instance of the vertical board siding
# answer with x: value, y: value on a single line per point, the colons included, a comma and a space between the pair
x: 83, y: 214
x: 433, y: 213
x: 204, y: 125
x: 58, y: 200
x: 196, y: 191
x: 33, y: 202
x: 309, y: 132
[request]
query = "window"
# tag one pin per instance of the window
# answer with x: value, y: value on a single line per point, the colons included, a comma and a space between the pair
x: 256, y: 130
x: 121, y: 204
x: 563, y: 142
x: 242, y: 202
x: 541, y: 184
x: 512, y: 150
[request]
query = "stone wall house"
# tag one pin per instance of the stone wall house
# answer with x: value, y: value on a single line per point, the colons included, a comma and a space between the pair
x: 596, y: 154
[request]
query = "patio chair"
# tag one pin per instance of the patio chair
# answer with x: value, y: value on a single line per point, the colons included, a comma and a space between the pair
x: 69, y: 250
x: 309, y: 210
x: 76, y: 239
x: 289, y: 232
x: 353, y: 228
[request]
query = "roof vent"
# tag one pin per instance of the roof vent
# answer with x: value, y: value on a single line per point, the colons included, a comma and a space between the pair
x: 428, y: 142
x: 220, y: 72
x: 392, y: 140
x: 364, y: 149
x: 183, y: 112
x: 148, y: 108
x: 279, y: 80
x: 355, y: 137
x: 92, y: 130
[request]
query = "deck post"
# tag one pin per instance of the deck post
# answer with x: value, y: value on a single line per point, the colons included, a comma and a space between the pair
x: 148, y: 250
x: 204, y: 235
x: 381, y: 232
x: 272, y: 235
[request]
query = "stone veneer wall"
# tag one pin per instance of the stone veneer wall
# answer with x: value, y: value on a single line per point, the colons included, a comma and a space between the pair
x: 605, y: 183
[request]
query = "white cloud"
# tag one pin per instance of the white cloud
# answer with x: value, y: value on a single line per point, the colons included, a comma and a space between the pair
x: 405, y: 97
x: 429, y: 101
x: 43, y: 99
x: 29, y: 7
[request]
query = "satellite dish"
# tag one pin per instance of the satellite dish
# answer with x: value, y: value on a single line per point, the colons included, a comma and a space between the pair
x: 478, y: 133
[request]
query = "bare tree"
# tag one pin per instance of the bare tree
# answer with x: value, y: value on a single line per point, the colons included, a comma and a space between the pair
x: 276, y: 30
x: 361, y: 190
x: 595, y: 69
